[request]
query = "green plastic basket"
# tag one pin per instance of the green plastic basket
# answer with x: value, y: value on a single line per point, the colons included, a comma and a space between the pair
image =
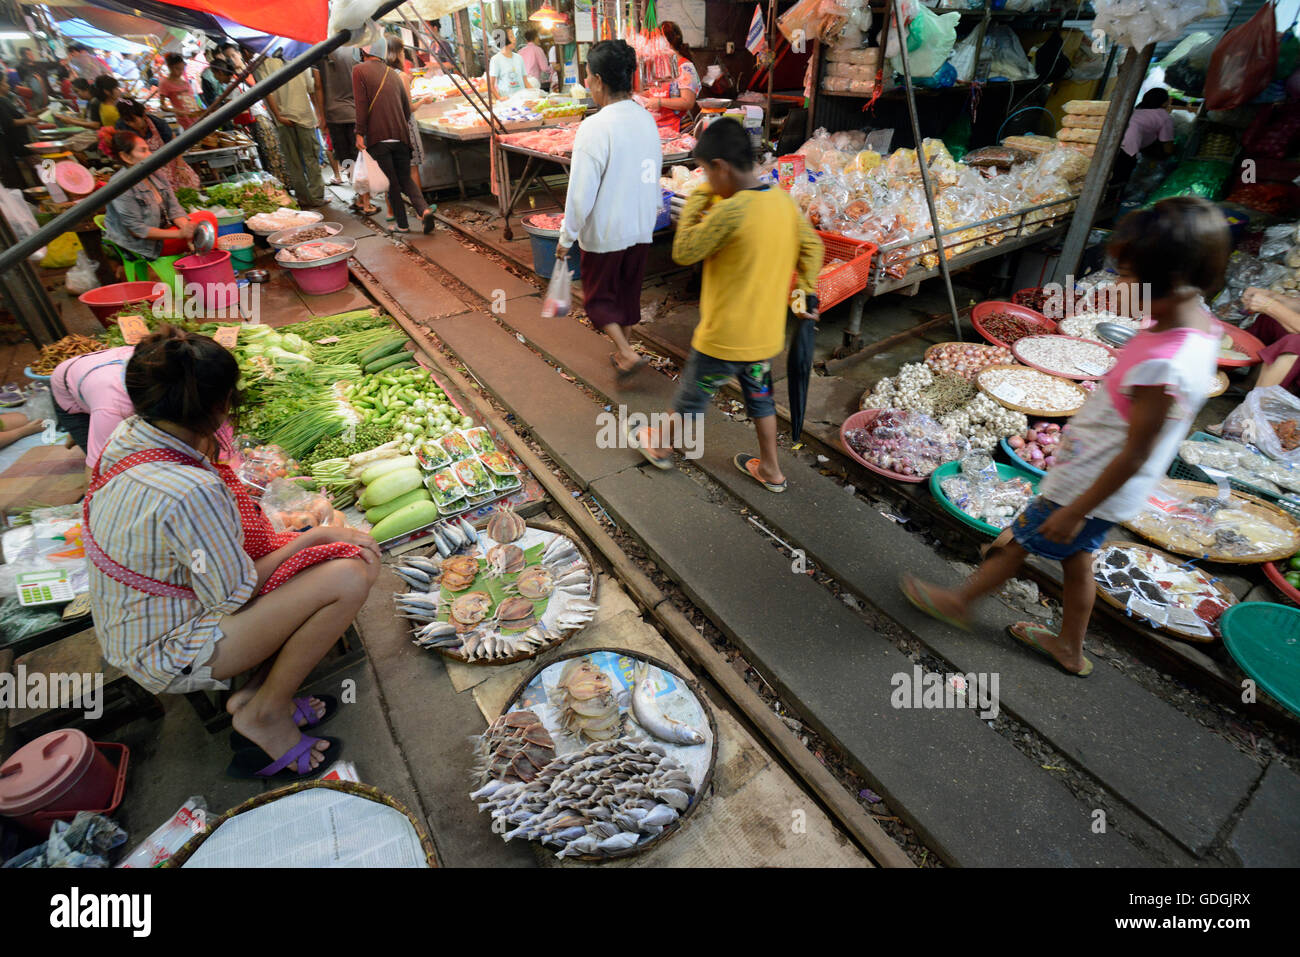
x: 1182, y: 470
x: 1264, y: 639
x: 948, y: 469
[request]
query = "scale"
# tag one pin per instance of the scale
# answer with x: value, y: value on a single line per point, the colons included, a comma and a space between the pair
x: 43, y: 588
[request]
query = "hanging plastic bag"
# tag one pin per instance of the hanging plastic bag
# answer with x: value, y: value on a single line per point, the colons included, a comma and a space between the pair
x: 559, y: 292
x: 20, y: 219
x: 930, y: 40
x: 1243, y: 63
x: 61, y: 252
x: 81, y: 277
x: 367, y: 177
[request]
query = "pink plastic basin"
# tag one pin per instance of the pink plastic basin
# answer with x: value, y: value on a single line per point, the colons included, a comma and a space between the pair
x: 213, y: 272
x: 103, y: 301
x: 322, y: 280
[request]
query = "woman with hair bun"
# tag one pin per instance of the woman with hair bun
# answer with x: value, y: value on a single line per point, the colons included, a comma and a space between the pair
x: 189, y: 584
x: 613, y: 199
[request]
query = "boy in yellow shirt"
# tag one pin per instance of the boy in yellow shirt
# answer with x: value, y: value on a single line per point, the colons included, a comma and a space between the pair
x: 752, y: 239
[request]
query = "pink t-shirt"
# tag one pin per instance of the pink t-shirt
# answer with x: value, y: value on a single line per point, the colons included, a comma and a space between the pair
x: 1184, y: 361
x: 535, y: 64
x: 1146, y: 127
x: 95, y: 385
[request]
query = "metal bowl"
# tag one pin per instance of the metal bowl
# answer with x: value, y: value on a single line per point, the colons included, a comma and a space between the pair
x: 350, y: 243
x: 1114, y: 334
x: 285, y: 237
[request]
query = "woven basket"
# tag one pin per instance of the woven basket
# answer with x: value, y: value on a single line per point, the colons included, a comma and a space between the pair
x: 1224, y: 591
x: 233, y: 241
x: 695, y: 688
x: 1258, y: 506
x: 564, y: 635
x: 1025, y: 409
x: 347, y: 787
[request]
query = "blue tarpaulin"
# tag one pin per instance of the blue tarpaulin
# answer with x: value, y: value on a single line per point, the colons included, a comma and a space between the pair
x: 83, y: 32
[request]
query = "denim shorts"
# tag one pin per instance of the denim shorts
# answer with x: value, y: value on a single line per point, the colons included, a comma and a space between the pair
x: 705, y: 375
x: 1025, y: 529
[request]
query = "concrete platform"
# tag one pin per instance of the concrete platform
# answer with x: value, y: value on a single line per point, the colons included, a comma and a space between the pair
x: 1266, y: 834
x: 419, y: 292
x: 470, y: 266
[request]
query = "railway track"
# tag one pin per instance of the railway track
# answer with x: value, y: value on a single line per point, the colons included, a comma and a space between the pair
x: 447, y: 342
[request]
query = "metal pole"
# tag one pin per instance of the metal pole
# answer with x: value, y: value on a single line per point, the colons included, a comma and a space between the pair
x: 925, y: 171
x: 27, y: 299
x: 771, y: 70
x: 1127, y: 84
x: 177, y: 146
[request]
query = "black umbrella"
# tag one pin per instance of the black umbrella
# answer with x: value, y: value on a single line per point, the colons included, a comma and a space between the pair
x: 798, y: 370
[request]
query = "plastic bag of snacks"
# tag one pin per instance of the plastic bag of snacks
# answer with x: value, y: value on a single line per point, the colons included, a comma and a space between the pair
x: 292, y: 508
x: 263, y: 464
x: 906, y: 442
x: 1268, y: 419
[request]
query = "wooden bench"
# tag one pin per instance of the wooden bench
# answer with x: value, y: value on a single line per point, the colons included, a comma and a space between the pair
x: 122, y: 700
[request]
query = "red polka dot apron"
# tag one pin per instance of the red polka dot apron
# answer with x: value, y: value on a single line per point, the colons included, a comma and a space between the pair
x: 260, y: 538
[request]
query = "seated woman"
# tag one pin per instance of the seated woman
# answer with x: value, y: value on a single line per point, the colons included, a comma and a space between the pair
x: 137, y: 220
x: 155, y: 133
x: 1278, y: 327
x: 189, y: 586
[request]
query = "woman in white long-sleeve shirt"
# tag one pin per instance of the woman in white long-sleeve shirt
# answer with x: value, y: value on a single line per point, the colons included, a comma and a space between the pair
x: 613, y: 199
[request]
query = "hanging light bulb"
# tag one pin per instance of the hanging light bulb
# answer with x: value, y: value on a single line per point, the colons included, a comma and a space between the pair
x: 548, y: 17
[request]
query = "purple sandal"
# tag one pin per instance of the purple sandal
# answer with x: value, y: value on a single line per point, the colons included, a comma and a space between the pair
x: 294, y: 764
x: 304, y: 716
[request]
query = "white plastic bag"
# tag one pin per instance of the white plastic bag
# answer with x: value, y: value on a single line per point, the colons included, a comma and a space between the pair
x: 559, y: 292
x: 367, y: 177
x: 20, y: 218
x: 81, y: 277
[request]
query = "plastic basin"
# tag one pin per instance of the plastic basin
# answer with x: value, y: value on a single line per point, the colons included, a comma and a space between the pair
x: 103, y: 301
x: 322, y: 280
x: 544, y: 243
x: 984, y: 310
x: 213, y: 274
x: 949, y: 469
x: 1264, y: 639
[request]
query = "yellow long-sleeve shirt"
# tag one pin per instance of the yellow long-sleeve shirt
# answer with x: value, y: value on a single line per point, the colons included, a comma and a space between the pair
x: 751, y: 243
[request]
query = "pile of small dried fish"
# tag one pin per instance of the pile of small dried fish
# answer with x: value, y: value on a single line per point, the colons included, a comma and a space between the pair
x: 602, y: 800
x: 69, y: 347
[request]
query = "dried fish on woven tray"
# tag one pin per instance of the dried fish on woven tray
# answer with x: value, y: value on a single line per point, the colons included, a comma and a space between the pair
x: 604, y: 799
x: 515, y: 747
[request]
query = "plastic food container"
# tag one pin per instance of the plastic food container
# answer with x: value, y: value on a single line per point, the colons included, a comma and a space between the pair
x: 59, y: 774
x: 213, y: 272
x: 544, y: 242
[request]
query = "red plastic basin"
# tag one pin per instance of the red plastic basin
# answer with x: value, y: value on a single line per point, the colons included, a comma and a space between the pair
x: 106, y: 300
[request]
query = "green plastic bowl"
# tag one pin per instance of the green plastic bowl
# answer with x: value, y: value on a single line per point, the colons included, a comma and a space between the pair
x: 948, y: 469
x: 1264, y: 639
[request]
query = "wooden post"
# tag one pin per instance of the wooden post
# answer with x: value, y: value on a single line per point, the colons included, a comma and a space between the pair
x: 816, y: 62
x: 1127, y: 84
x: 771, y: 70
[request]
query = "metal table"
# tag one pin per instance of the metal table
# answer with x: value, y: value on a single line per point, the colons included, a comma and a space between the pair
x: 509, y: 193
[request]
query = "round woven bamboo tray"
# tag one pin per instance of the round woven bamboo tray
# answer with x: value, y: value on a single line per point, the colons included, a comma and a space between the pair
x: 1257, y: 507
x: 347, y: 787
x: 1016, y: 351
x: 1221, y: 384
x: 1224, y: 591
x: 1040, y: 413
x: 563, y: 635
x: 695, y: 688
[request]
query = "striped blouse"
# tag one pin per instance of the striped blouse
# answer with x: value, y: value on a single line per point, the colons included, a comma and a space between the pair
x: 176, y: 524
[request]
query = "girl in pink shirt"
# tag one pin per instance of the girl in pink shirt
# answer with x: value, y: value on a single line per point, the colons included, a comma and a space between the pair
x: 1123, y: 440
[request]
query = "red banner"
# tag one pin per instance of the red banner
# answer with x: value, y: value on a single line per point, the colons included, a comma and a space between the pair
x: 305, y: 20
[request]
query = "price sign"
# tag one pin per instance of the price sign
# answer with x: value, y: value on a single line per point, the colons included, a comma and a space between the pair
x: 133, y: 328
x: 1091, y: 367
x: 1012, y: 394
x: 227, y: 336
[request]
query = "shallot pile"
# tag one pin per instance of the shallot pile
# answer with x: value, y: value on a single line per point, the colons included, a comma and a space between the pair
x: 907, y: 443
x: 966, y: 359
x: 1038, y: 445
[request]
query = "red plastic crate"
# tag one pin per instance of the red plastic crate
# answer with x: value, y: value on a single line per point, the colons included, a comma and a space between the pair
x: 846, y: 280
